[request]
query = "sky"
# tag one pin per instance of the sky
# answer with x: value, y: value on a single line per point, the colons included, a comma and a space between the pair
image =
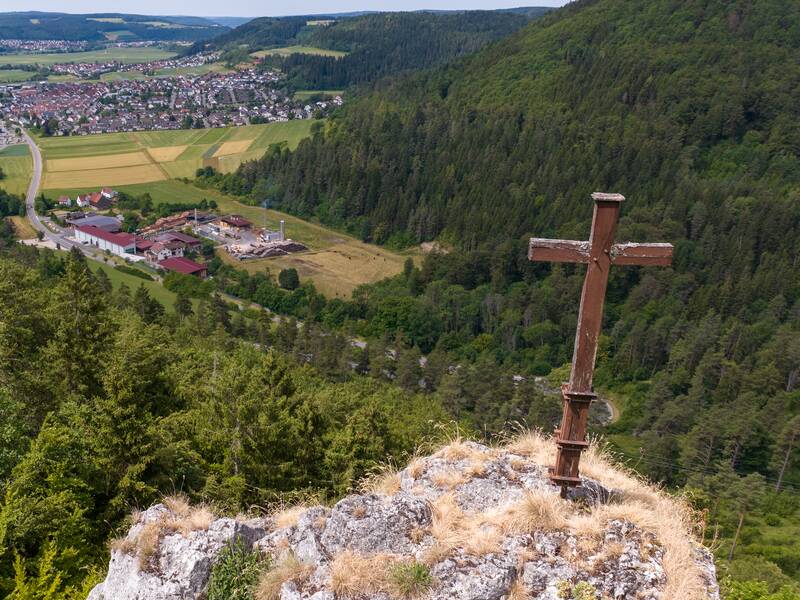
x: 254, y: 8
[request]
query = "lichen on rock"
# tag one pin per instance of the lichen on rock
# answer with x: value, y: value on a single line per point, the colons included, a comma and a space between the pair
x: 468, y: 522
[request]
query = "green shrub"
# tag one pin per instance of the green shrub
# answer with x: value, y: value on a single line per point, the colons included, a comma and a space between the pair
x: 411, y: 579
x: 235, y: 574
x: 133, y: 271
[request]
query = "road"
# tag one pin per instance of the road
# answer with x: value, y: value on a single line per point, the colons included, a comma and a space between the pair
x: 49, y: 230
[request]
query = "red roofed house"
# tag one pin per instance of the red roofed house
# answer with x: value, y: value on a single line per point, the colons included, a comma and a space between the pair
x: 180, y: 264
x: 99, y: 201
x: 64, y: 201
x: 116, y: 243
x: 176, y: 236
x: 163, y: 250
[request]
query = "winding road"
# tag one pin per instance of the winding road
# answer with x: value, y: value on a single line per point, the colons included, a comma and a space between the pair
x: 49, y: 230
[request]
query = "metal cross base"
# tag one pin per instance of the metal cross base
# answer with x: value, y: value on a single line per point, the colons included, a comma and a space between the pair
x: 571, y: 438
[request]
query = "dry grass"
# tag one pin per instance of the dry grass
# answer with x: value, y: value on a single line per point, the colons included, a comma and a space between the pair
x: 289, y: 568
x: 537, y: 511
x: 147, y: 543
x: 519, y: 591
x: 669, y: 519
x: 385, y: 481
x: 183, y: 518
x: 451, y: 528
x: 448, y: 478
x: 534, y: 446
x: 416, y: 468
x: 355, y: 575
x: 288, y: 516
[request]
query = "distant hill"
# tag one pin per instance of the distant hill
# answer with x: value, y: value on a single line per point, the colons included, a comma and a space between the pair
x: 230, y: 21
x: 377, y: 44
x: 688, y: 108
x: 105, y: 26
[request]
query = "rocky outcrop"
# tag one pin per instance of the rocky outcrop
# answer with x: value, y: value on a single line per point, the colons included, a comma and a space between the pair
x: 181, y: 563
x: 467, y: 523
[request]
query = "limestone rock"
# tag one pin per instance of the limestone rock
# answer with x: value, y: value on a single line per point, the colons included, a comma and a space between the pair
x: 471, y: 522
x: 181, y: 566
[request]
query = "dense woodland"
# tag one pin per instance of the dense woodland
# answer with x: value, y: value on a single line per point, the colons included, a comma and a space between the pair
x: 377, y: 44
x: 93, y: 27
x: 689, y: 109
x: 108, y: 400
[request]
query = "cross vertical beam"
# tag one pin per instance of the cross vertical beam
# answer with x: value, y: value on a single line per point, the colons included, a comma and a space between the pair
x: 599, y: 254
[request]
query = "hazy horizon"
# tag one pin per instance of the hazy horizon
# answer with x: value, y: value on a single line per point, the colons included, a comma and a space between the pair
x: 245, y: 8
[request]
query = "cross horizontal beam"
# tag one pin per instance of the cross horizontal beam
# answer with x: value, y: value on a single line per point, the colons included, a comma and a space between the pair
x: 572, y: 251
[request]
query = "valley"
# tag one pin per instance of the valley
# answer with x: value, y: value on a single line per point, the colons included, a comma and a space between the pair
x: 268, y: 260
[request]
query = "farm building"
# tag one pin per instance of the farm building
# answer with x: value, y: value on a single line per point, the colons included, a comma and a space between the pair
x: 162, y: 250
x: 191, y: 243
x: 110, y: 224
x: 120, y: 244
x: 232, y: 224
x: 180, y: 264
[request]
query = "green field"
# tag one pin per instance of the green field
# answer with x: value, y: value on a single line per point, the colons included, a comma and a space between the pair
x: 14, y: 75
x: 17, y: 164
x: 157, y: 291
x: 123, y: 55
x: 286, y: 51
x: 336, y: 263
x: 150, y: 156
x: 306, y: 94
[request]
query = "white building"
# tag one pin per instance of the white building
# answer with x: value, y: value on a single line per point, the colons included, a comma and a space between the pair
x: 121, y: 244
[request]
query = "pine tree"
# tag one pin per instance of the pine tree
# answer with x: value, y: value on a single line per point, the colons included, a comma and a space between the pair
x: 183, y: 306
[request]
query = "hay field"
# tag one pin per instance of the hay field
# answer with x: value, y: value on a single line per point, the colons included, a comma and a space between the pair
x: 106, y: 161
x: 148, y: 156
x: 236, y: 147
x: 167, y: 153
x: 17, y: 165
x: 337, y: 270
x: 96, y: 178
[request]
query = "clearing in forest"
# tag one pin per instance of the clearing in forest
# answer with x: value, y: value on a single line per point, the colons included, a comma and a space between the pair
x: 286, y: 51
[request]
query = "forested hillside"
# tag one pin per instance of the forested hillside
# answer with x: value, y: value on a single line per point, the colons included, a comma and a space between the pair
x: 690, y: 110
x: 377, y: 44
x: 95, y: 27
x: 109, y: 400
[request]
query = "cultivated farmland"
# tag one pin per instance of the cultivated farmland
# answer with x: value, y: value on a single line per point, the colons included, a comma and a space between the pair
x: 17, y: 165
x: 122, y: 55
x: 117, y: 159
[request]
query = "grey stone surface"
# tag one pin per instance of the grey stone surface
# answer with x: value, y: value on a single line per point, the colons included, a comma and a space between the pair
x: 624, y: 562
x: 181, y: 567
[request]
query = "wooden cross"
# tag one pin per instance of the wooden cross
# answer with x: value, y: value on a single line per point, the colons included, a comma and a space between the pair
x: 599, y: 253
